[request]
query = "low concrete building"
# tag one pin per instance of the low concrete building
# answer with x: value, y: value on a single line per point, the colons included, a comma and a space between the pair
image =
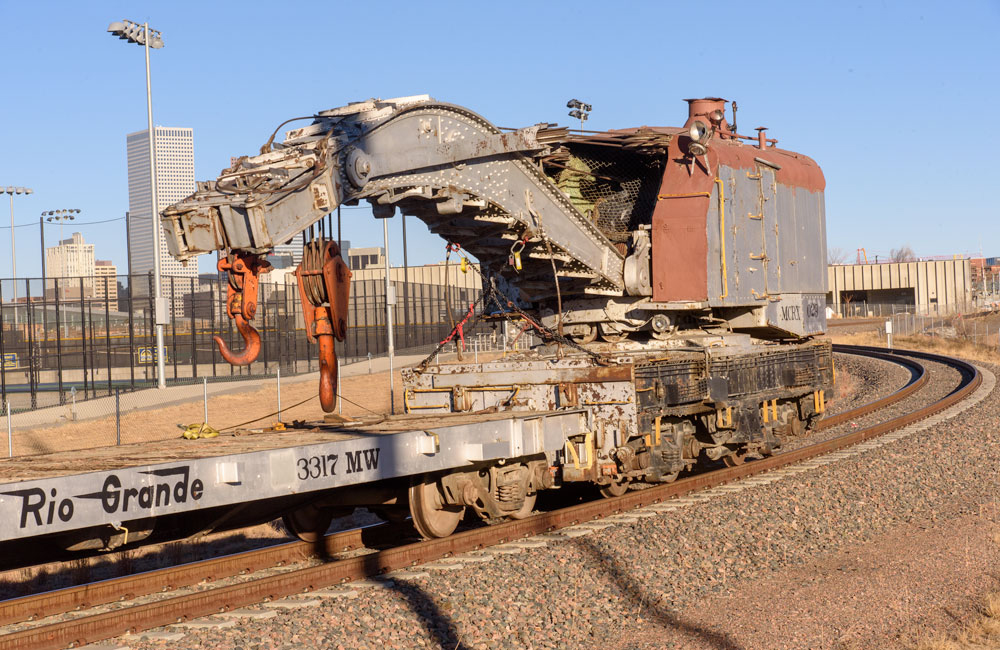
x: 925, y: 287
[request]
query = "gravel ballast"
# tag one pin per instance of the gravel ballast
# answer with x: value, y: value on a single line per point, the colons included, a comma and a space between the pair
x: 664, y: 580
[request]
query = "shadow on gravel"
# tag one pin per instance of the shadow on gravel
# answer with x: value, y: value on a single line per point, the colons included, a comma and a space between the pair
x: 439, y: 625
x: 639, y: 601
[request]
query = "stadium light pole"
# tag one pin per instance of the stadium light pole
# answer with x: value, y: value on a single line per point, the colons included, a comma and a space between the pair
x: 150, y: 38
x: 58, y: 216
x: 13, y: 251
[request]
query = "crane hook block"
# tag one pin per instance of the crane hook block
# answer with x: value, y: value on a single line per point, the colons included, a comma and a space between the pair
x: 324, y: 289
x: 242, y: 269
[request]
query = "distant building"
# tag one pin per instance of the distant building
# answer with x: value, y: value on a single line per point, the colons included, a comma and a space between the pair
x: 105, y: 281
x: 291, y: 251
x: 359, y: 259
x: 926, y: 287
x: 174, y: 181
x: 72, y: 258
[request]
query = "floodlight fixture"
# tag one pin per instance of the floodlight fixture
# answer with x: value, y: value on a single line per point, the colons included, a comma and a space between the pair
x: 136, y: 33
x: 581, y: 110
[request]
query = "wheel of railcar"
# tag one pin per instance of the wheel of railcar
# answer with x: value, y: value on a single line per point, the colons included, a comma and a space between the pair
x: 308, y: 523
x: 589, y: 337
x: 527, y: 508
x: 614, y: 489
x: 431, y: 516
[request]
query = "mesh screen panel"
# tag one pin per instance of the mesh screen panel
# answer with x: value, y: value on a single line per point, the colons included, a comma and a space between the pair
x: 617, y: 189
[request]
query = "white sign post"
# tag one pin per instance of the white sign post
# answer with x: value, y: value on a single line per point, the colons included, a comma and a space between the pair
x: 888, y: 332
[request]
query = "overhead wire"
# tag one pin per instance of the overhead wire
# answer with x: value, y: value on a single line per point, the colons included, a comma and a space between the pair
x: 74, y: 223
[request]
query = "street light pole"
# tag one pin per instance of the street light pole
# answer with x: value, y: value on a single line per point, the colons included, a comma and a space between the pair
x: 13, y: 251
x: 143, y: 35
x: 161, y: 376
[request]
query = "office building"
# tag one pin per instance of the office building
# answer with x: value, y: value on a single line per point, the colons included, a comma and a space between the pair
x: 174, y: 181
x: 359, y: 259
x: 105, y: 281
x: 72, y: 258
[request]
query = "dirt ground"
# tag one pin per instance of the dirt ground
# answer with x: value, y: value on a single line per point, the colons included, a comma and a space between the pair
x: 254, y: 407
x: 362, y: 394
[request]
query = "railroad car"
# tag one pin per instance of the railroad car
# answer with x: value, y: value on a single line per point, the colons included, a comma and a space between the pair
x: 676, y: 275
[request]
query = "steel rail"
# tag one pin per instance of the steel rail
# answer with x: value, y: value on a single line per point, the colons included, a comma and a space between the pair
x: 918, y: 380
x: 112, y: 590
x: 180, y: 608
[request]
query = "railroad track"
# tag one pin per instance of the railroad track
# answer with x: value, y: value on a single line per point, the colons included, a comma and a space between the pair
x: 83, y: 627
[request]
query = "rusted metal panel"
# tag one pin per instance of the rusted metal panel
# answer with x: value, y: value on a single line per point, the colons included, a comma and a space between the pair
x: 680, y: 240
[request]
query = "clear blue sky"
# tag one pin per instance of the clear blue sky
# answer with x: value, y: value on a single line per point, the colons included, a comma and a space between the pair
x: 899, y: 102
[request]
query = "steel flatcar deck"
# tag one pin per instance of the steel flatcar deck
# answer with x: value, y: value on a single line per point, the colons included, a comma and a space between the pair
x: 65, y: 491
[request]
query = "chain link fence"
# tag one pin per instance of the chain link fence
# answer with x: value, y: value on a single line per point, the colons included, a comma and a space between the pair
x: 79, y: 354
x: 979, y: 325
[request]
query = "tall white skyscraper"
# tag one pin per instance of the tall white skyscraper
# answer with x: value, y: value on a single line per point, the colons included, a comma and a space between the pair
x: 174, y: 181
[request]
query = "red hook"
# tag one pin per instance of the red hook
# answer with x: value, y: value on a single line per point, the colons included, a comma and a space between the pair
x: 241, y: 303
x: 250, y: 336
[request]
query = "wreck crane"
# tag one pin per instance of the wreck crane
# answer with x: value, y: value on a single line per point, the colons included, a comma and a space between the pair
x: 644, y: 233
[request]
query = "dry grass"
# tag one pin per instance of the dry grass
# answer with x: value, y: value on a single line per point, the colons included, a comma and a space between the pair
x: 936, y: 344
x: 983, y: 633
x: 983, y: 630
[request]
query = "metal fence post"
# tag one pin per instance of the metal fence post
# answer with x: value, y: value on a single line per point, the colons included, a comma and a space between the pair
x: 279, y: 392
x: 194, y: 338
x: 131, y: 332
x: 72, y: 394
x: 83, y: 336
x: 173, y: 325
x: 204, y: 385
x: 10, y: 433
x: 118, y: 417
x: 107, y: 330
x: 3, y: 362
x: 340, y: 402
x: 33, y: 355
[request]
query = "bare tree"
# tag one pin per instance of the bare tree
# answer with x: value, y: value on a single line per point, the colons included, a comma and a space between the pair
x: 836, y: 255
x: 902, y: 254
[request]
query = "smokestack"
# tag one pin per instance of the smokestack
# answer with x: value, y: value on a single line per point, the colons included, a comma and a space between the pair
x: 711, y: 110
